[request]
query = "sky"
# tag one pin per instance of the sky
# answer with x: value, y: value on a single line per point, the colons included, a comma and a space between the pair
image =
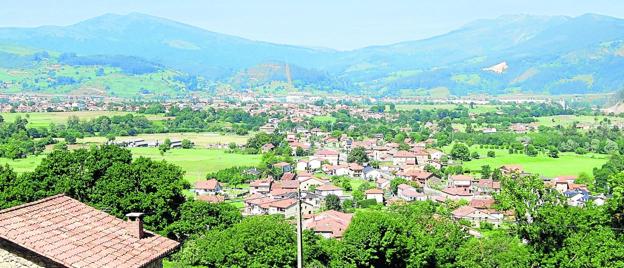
x: 337, y: 24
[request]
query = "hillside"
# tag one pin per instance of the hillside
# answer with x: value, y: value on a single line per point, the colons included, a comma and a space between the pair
x: 36, y: 71
x: 554, y: 55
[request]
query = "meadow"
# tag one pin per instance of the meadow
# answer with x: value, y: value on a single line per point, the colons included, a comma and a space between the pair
x: 198, y: 162
x: 195, y: 162
x: 201, y: 139
x: 566, y: 164
x: 567, y: 120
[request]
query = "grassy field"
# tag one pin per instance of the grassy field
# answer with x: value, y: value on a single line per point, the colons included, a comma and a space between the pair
x: 44, y: 119
x: 23, y: 165
x: 195, y: 162
x: 567, y: 120
x: 199, y: 162
x: 201, y: 139
x: 566, y: 164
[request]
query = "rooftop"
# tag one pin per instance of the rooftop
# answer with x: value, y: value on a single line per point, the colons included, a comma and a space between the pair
x: 74, y: 234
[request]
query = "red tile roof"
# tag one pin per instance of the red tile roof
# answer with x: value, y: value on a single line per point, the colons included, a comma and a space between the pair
x: 74, y: 234
x: 327, y: 152
x: 333, y: 222
x: 207, y: 185
x: 328, y: 187
x: 374, y: 191
x: 211, y: 198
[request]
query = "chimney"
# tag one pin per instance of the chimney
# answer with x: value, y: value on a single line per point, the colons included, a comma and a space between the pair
x: 135, y: 224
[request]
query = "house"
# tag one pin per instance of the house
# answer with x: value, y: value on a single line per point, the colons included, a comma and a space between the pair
x: 288, y: 176
x: 371, y: 173
x: 461, y: 180
x: 577, y: 197
x: 417, y: 175
x: 382, y: 183
x: 305, y: 184
x: 315, y: 163
x: 267, y: 148
x: 486, y: 186
x: 355, y: 169
x: 476, y: 216
x: 402, y: 158
x: 288, y: 207
x: 329, y: 224
x: 409, y: 193
x: 302, y: 165
x: 261, y: 186
x: 327, y: 189
x: 210, y: 187
x: 456, y: 193
x: 331, y: 156
x: 376, y: 194
x: 482, y: 203
x: 257, y: 204
x: 74, y: 234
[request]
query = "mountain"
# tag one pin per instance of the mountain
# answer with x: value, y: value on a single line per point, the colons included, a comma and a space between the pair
x: 170, y: 43
x: 516, y: 53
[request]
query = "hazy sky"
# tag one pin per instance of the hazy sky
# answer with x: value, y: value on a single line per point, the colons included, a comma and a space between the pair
x: 339, y: 24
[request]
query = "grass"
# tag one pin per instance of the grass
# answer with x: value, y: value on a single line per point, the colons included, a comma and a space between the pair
x: 566, y: 164
x: 23, y: 165
x: 199, y: 162
x: 201, y: 139
x: 44, y: 119
x: 567, y: 120
x: 324, y: 119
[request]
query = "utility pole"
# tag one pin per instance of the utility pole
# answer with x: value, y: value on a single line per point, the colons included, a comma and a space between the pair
x: 299, y: 232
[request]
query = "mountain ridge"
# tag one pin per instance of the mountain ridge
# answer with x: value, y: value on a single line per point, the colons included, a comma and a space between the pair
x: 554, y: 50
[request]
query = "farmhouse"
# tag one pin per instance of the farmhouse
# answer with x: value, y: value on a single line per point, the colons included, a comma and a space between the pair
x: 210, y: 187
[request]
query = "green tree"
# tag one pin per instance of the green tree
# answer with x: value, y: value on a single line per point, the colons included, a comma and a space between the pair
x: 494, y: 251
x: 259, y: 241
x: 460, y: 152
x: 197, y: 217
x: 358, y: 155
x: 332, y: 202
x: 491, y: 154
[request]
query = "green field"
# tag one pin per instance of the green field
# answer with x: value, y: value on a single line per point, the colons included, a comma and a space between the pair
x: 567, y: 120
x: 566, y: 164
x: 195, y: 162
x: 44, y: 119
x: 201, y: 139
x: 23, y: 165
x: 324, y: 119
x: 199, y: 162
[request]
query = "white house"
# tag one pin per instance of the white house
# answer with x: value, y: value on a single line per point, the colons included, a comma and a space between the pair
x: 210, y: 187
x: 376, y: 194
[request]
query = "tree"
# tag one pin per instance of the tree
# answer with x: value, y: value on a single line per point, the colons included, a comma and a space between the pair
x: 491, y: 154
x: 358, y: 155
x: 165, y: 146
x: 332, y: 202
x: 494, y: 251
x: 474, y: 155
x: 486, y: 171
x: 460, y: 152
x: 553, y: 152
x: 187, y: 144
x: 531, y: 150
x: 197, y: 217
x: 259, y: 241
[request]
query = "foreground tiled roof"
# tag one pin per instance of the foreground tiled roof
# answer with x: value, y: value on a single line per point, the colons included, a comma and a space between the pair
x: 74, y: 234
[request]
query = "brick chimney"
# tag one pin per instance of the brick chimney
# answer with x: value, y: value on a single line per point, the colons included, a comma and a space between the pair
x: 135, y: 224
